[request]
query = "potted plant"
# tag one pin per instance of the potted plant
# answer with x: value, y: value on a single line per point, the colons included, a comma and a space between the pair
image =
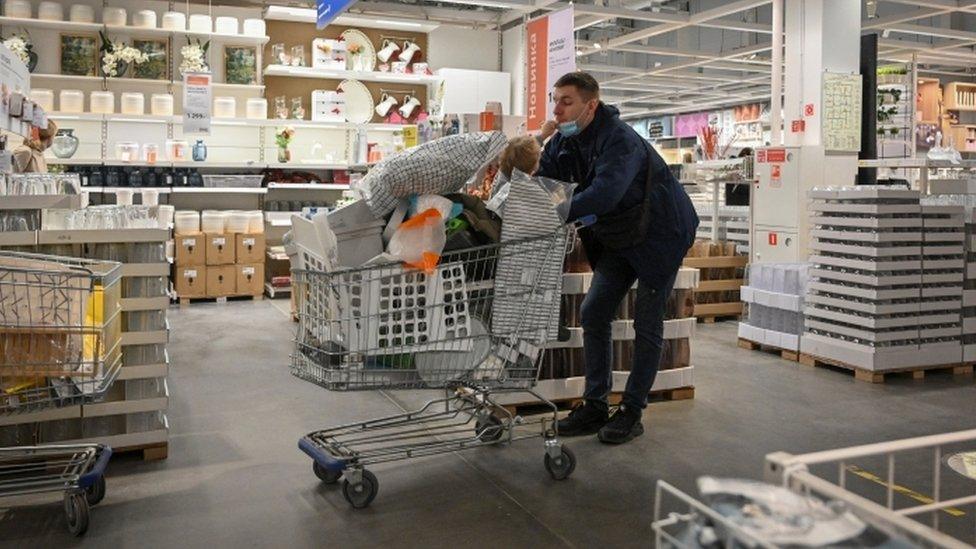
x: 194, y: 56
x: 22, y: 47
x: 283, y: 138
x: 116, y: 57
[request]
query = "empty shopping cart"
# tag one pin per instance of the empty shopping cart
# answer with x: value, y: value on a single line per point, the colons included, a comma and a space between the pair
x: 59, y: 348
x: 475, y: 325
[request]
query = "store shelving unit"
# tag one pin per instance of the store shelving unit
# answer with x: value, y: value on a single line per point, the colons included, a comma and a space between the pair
x: 363, y: 76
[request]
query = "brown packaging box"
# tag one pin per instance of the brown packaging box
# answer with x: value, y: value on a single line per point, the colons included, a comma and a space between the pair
x: 220, y: 248
x: 191, y: 249
x: 250, y: 248
x: 221, y: 280
x: 191, y: 281
x: 250, y: 279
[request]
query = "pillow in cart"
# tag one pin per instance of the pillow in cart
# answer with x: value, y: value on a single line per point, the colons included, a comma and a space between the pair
x: 441, y: 166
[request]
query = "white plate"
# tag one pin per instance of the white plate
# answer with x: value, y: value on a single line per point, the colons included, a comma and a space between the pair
x: 367, y: 57
x: 359, y: 102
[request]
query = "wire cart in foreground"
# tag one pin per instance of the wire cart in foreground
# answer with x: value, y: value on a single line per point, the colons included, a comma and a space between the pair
x: 59, y: 346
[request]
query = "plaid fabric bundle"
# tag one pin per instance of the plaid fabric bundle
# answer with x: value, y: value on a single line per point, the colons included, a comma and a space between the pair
x: 440, y: 166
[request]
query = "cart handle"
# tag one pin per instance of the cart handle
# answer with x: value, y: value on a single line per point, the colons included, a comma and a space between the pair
x: 98, y: 469
x: 320, y: 457
x: 586, y: 220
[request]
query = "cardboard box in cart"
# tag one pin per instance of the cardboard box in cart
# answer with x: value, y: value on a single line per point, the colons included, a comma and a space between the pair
x: 221, y: 248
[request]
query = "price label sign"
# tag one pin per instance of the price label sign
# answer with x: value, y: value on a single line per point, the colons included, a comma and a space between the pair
x: 197, y: 99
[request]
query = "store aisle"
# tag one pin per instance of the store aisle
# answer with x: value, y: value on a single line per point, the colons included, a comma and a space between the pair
x: 234, y: 477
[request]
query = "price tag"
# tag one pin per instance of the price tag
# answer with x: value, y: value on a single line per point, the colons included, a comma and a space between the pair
x: 247, y: 271
x: 189, y: 242
x: 197, y: 100
x: 248, y: 242
x: 219, y: 241
x: 189, y: 273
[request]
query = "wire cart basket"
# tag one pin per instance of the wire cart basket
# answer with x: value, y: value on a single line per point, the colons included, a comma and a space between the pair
x: 475, y: 326
x: 59, y: 346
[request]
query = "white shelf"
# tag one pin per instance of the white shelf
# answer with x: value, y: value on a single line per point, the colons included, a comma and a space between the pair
x: 307, y: 166
x: 72, y: 161
x: 113, y: 190
x: 243, y: 165
x: 219, y: 190
x: 54, y: 25
x: 76, y: 78
x: 228, y: 87
x: 256, y: 122
x: 364, y: 76
x: 221, y: 37
x: 310, y: 186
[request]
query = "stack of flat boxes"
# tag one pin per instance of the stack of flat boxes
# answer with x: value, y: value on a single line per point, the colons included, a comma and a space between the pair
x: 962, y: 192
x: 882, y: 282
x: 220, y: 264
x: 775, y: 297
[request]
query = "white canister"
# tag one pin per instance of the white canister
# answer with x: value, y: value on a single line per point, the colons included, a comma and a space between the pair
x: 213, y: 221
x: 257, y: 108
x: 102, y: 102
x: 161, y: 104
x: 174, y: 20
x: 72, y: 101
x: 145, y: 19
x: 201, y: 23
x: 133, y: 103
x: 237, y: 222
x: 114, y: 17
x: 50, y: 11
x: 255, y: 222
x: 225, y: 107
x: 254, y: 27
x: 43, y: 99
x: 20, y: 9
x: 80, y: 13
x: 164, y: 215
x: 150, y: 197
x: 186, y: 222
x: 226, y: 25
x: 123, y: 197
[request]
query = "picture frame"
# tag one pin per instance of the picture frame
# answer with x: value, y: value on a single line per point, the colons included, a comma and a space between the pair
x: 240, y: 65
x: 79, y: 54
x: 157, y: 68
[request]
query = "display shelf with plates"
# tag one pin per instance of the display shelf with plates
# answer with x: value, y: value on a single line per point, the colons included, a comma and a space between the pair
x: 363, y: 76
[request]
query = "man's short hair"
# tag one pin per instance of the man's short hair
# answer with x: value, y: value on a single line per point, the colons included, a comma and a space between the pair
x: 587, y: 86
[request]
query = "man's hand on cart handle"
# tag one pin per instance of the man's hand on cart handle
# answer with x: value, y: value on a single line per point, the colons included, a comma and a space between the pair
x: 586, y: 220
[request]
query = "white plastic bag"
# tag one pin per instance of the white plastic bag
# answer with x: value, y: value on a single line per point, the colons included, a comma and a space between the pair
x: 419, y: 241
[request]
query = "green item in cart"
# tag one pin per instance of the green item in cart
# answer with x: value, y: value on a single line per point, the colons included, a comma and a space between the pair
x: 455, y: 225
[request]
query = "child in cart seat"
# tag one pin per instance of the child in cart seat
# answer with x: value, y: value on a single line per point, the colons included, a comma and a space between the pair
x: 523, y: 154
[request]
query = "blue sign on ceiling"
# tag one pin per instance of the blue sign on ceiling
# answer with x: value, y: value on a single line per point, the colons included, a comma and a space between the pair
x: 328, y: 10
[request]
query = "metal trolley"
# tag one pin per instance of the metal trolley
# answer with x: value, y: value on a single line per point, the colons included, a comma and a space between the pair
x: 474, y: 325
x: 59, y: 346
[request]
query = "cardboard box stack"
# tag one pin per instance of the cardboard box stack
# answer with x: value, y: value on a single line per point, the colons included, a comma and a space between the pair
x: 886, y: 280
x: 219, y: 264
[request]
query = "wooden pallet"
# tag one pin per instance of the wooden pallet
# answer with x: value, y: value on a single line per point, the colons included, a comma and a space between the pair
x: 717, y: 294
x: 534, y: 407
x: 870, y: 376
x: 712, y: 319
x: 150, y: 452
x: 185, y: 301
x: 785, y: 354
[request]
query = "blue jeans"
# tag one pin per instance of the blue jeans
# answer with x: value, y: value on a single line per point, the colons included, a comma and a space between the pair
x: 613, y: 277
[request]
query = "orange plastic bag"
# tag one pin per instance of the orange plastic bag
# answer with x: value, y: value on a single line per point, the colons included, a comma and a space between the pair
x: 419, y: 241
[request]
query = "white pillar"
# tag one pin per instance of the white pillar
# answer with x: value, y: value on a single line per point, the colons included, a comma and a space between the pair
x: 776, y: 93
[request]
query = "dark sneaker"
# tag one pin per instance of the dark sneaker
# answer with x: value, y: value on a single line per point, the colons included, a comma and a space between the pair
x: 624, y: 425
x: 586, y: 419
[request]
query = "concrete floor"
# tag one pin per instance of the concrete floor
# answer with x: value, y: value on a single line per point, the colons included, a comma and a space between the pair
x: 234, y: 477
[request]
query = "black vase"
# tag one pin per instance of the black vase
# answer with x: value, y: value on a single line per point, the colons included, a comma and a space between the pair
x: 120, y: 68
x: 31, y: 61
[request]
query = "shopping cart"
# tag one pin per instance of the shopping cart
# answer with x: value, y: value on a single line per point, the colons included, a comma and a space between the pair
x: 59, y: 347
x: 475, y: 326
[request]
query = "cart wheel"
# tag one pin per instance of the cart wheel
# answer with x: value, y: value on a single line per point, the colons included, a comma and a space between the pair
x: 561, y: 467
x: 362, y: 494
x: 326, y: 475
x: 76, y: 511
x: 489, y: 429
x: 96, y: 492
